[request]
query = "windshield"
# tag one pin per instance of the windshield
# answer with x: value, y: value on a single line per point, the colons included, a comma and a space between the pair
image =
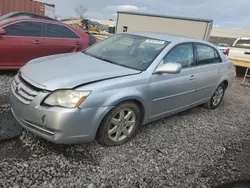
x: 243, y: 44
x: 127, y: 50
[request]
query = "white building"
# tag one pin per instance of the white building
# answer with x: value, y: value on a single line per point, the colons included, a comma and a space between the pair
x: 184, y: 26
x: 216, y: 31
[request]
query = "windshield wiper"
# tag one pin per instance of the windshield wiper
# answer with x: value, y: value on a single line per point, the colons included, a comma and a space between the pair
x: 107, y: 60
x: 101, y: 58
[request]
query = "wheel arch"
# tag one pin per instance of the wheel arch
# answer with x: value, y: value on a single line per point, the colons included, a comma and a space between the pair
x: 135, y: 100
x: 139, y: 104
x: 136, y: 96
x: 138, y: 101
x: 225, y: 82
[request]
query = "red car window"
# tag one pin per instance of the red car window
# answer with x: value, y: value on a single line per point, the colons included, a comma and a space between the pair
x: 25, y: 28
x: 59, y: 31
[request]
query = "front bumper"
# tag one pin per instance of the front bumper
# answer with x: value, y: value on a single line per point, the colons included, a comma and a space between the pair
x: 58, y: 125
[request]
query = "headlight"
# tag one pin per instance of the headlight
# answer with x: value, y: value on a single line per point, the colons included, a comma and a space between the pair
x: 66, y: 98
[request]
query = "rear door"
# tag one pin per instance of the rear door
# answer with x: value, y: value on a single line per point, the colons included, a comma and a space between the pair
x: 61, y: 39
x: 21, y: 43
x: 209, y: 70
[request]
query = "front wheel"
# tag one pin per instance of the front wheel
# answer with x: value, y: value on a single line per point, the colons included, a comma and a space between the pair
x: 217, y: 97
x: 119, y: 125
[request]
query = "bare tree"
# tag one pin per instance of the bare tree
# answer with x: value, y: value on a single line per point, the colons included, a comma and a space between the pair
x: 80, y: 11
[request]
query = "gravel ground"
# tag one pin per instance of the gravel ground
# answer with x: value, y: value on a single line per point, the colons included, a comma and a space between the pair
x: 197, y: 148
x: 5, y: 79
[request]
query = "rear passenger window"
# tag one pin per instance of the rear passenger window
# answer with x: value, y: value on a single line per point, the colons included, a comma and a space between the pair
x: 59, y: 31
x: 207, y: 55
x: 25, y: 29
x: 183, y: 54
x: 242, y: 44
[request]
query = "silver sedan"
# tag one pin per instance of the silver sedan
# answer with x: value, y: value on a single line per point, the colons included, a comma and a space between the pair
x: 107, y: 91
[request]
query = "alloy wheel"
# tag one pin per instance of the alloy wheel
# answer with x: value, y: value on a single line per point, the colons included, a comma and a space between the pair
x: 218, y: 95
x: 122, y: 125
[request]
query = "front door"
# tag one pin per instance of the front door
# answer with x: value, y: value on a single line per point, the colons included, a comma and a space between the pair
x: 21, y: 43
x: 173, y: 92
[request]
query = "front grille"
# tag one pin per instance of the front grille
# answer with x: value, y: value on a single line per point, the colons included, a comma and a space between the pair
x: 23, y: 91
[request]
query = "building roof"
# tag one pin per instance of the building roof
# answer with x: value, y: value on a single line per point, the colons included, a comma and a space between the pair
x: 165, y: 16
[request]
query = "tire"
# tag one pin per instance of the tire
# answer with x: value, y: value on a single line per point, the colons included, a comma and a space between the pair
x: 112, y: 130
x: 211, y: 104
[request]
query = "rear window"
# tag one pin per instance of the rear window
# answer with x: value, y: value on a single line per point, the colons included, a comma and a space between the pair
x: 242, y: 43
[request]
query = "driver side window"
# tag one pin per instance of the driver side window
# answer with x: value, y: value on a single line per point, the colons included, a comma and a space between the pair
x: 182, y: 54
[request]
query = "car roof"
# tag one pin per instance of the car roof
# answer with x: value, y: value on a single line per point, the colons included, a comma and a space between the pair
x: 167, y: 37
x: 19, y: 12
x: 11, y: 20
x: 13, y: 15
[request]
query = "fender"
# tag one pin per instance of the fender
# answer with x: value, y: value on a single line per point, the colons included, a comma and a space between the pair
x: 122, y: 96
x: 227, y: 78
x: 126, y: 96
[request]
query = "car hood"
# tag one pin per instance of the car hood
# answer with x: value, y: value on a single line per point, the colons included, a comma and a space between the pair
x: 69, y: 71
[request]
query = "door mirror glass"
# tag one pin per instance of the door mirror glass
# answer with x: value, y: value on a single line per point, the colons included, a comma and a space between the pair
x: 2, y: 31
x: 170, y: 68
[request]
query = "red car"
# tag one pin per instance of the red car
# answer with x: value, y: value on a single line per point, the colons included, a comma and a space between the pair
x: 24, y: 39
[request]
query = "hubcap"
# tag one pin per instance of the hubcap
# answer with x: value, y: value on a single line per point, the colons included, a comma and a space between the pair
x: 121, y: 125
x: 218, y: 96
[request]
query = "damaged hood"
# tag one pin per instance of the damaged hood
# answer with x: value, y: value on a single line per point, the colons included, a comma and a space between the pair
x: 70, y: 70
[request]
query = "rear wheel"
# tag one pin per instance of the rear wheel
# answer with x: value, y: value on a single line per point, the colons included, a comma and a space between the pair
x: 119, y: 125
x: 217, y: 97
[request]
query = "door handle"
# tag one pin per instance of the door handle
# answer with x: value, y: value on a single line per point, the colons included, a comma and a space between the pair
x: 78, y: 44
x: 247, y: 53
x: 219, y: 72
x: 192, y: 77
x: 37, y: 42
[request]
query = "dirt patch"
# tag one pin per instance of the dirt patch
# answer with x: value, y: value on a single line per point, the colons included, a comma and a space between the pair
x: 14, y: 149
x: 4, y: 99
x: 232, y: 167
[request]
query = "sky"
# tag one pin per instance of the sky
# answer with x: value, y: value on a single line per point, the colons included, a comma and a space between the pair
x: 225, y: 13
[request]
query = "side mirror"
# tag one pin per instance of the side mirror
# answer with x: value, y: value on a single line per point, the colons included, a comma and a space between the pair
x: 2, y: 31
x: 170, y: 68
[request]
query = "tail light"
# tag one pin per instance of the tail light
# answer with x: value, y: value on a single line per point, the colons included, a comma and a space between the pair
x: 226, y: 52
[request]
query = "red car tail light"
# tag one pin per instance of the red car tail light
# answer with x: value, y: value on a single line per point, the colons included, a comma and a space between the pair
x: 226, y: 52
